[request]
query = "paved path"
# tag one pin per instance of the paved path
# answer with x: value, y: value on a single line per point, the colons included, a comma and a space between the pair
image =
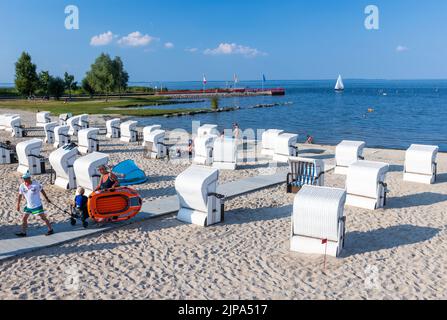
x: 13, y: 247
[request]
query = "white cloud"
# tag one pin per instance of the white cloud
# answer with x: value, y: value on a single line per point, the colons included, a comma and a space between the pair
x: 102, y: 39
x: 136, y: 39
x: 192, y: 50
x: 233, y: 48
x: 169, y: 45
x: 401, y: 48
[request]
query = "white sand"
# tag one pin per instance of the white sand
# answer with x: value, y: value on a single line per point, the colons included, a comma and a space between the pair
x: 396, y: 253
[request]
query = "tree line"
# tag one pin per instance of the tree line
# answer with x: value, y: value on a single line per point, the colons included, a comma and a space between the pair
x: 105, y: 76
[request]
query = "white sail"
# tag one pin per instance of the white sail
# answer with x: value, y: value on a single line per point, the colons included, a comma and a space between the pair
x: 339, y: 86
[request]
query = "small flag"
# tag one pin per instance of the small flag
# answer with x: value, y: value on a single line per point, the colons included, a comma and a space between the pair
x: 204, y: 79
x: 324, y: 241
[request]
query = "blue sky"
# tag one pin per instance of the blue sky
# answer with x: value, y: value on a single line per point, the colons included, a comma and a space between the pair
x: 283, y: 39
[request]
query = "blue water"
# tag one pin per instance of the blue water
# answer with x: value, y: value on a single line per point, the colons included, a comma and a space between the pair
x: 405, y: 112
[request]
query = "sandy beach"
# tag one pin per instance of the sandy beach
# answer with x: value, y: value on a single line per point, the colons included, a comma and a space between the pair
x: 399, y: 252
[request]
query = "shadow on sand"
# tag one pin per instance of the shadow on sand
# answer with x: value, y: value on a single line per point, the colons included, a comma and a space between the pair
x: 414, y: 200
x: 362, y: 242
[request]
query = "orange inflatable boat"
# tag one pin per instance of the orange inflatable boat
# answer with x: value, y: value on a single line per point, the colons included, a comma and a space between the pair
x: 113, y: 206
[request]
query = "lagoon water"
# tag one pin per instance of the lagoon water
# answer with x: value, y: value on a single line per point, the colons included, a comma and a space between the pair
x: 405, y: 112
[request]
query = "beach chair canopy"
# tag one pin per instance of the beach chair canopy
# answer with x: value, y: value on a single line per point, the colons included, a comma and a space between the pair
x: 128, y: 173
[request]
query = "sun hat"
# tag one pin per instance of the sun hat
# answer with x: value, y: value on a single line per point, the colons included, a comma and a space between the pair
x: 27, y: 175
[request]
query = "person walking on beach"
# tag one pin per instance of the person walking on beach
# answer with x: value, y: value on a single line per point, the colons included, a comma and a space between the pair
x: 31, y: 190
x: 108, y: 180
x: 190, y: 148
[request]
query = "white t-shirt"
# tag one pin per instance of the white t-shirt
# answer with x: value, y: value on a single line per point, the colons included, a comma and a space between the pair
x: 31, y: 194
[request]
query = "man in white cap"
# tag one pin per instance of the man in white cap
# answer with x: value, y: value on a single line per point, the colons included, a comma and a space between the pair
x: 31, y: 190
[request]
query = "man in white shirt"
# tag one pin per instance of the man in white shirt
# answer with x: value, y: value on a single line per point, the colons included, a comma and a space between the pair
x: 31, y: 190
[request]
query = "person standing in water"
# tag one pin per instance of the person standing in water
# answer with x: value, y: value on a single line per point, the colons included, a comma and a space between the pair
x: 31, y: 190
x: 108, y: 180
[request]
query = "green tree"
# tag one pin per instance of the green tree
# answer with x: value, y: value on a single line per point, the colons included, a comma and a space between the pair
x: 26, y: 79
x: 44, y: 82
x: 101, y: 75
x: 120, y: 76
x: 215, y: 103
x: 69, y: 82
x: 87, y: 87
x: 56, y: 87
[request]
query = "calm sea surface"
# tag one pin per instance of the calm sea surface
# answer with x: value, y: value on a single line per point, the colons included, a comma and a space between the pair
x: 405, y: 112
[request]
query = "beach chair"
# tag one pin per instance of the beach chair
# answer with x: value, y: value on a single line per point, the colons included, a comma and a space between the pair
x: 147, y: 133
x: 88, y: 140
x: 48, y: 128
x: 199, y: 203
x: 14, y: 125
x: 62, y: 161
x: 129, y: 131
x: 73, y: 123
x: 285, y: 147
x: 63, y: 118
x: 61, y: 136
x: 5, y: 119
x: 42, y: 118
x: 365, y: 184
x: 346, y: 153
x: 83, y: 122
x: 29, y: 157
x: 318, y: 221
x: 113, y: 128
x: 86, y: 170
x: 225, y: 153
x: 420, y: 164
x: 7, y: 153
x: 203, y: 150
x: 207, y: 129
x: 304, y: 171
x: 269, y: 141
x: 155, y: 148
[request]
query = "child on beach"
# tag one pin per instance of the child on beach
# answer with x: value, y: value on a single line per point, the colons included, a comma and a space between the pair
x: 31, y: 190
x: 79, y: 205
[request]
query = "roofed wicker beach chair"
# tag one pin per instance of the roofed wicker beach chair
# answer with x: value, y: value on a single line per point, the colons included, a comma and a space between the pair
x: 199, y: 203
x: 285, y: 147
x: 318, y: 221
x: 48, y: 128
x: 269, y: 141
x: 420, y: 164
x: 225, y: 153
x: 365, y: 184
x: 29, y: 157
x: 86, y: 170
x: 42, y: 118
x: 346, y: 153
x: 113, y: 128
x: 129, y: 131
x: 304, y: 171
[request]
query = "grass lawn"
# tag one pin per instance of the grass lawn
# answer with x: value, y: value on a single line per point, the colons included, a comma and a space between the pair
x: 121, y: 106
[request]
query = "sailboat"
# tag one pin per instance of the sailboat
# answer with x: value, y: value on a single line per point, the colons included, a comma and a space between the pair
x: 339, y: 86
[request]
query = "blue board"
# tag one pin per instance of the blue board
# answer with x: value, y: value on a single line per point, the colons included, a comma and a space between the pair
x: 128, y: 173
